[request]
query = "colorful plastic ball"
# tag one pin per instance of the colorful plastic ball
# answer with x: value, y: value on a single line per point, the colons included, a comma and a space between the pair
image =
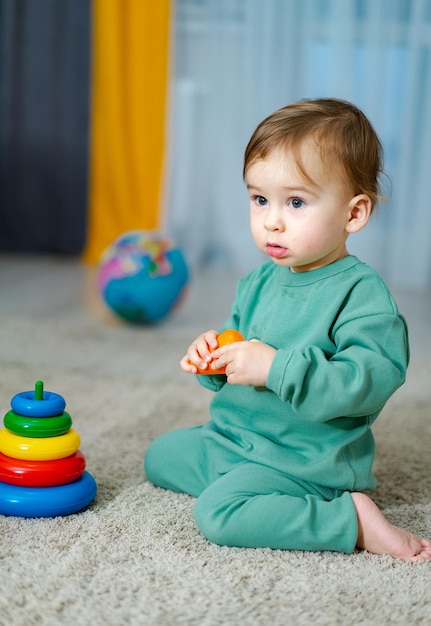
x: 142, y: 277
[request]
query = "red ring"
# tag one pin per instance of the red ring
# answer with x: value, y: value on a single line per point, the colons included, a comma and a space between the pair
x: 41, y: 473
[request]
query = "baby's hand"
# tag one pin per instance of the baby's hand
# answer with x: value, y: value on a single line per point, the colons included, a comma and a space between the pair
x: 199, y: 352
x: 246, y: 362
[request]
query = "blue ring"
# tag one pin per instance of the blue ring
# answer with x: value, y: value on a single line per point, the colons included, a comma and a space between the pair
x: 47, y: 501
x: 25, y: 404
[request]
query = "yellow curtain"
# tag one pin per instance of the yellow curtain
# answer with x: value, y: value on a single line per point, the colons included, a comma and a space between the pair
x: 128, y: 119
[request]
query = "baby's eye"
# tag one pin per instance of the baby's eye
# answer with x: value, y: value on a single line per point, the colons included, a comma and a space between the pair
x: 261, y: 200
x: 296, y: 203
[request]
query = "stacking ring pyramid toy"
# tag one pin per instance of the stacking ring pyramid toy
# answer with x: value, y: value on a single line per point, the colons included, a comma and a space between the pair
x: 42, y: 470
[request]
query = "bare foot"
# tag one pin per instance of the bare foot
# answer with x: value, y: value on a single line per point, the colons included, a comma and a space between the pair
x: 377, y: 535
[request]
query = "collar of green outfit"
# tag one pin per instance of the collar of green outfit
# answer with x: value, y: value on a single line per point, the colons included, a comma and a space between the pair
x: 298, y: 279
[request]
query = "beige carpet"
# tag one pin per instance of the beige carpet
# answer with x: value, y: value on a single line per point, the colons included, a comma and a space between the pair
x: 135, y: 556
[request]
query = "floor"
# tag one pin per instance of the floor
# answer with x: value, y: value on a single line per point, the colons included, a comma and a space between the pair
x: 56, y: 287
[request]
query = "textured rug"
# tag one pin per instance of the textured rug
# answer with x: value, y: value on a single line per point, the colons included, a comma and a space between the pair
x: 134, y: 556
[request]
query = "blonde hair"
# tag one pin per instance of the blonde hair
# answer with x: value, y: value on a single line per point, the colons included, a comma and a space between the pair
x: 344, y: 135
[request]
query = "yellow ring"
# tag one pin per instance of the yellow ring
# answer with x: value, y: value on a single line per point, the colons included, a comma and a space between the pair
x: 39, y: 449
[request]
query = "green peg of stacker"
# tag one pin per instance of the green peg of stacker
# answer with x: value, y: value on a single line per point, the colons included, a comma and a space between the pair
x: 38, y: 390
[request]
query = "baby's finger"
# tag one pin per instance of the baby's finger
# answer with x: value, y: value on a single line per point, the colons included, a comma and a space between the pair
x: 196, y: 359
x: 187, y: 366
x: 204, y: 346
x: 210, y: 338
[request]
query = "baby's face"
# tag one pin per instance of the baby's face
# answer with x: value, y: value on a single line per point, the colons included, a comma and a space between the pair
x: 298, y: 223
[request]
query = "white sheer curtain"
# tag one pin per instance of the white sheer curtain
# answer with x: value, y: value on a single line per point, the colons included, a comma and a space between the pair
x: 236, y: 61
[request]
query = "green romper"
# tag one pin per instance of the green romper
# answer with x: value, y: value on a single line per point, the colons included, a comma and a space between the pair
x: 275, y: 465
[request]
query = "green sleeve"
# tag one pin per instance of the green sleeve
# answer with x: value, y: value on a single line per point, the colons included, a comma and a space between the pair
x: 212, y: 382
x: 369, y: 364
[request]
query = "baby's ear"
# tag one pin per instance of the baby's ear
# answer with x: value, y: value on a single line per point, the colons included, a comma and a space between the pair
x: 359, y: 213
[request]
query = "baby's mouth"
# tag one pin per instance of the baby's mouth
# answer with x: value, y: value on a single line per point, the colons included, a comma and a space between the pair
x: 275, y: 251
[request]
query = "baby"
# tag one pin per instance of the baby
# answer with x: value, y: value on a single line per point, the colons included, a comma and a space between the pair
x: 288, y: 452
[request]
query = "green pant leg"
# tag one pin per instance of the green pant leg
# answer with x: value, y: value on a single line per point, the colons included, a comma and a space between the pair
x: 257, y: 507
x: 178, y: 460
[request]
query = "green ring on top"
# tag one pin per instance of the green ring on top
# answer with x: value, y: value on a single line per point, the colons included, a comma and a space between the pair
x: 37, y: 426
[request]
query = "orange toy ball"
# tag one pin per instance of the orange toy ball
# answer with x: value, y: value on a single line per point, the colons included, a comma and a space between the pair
x: 227, y: 336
